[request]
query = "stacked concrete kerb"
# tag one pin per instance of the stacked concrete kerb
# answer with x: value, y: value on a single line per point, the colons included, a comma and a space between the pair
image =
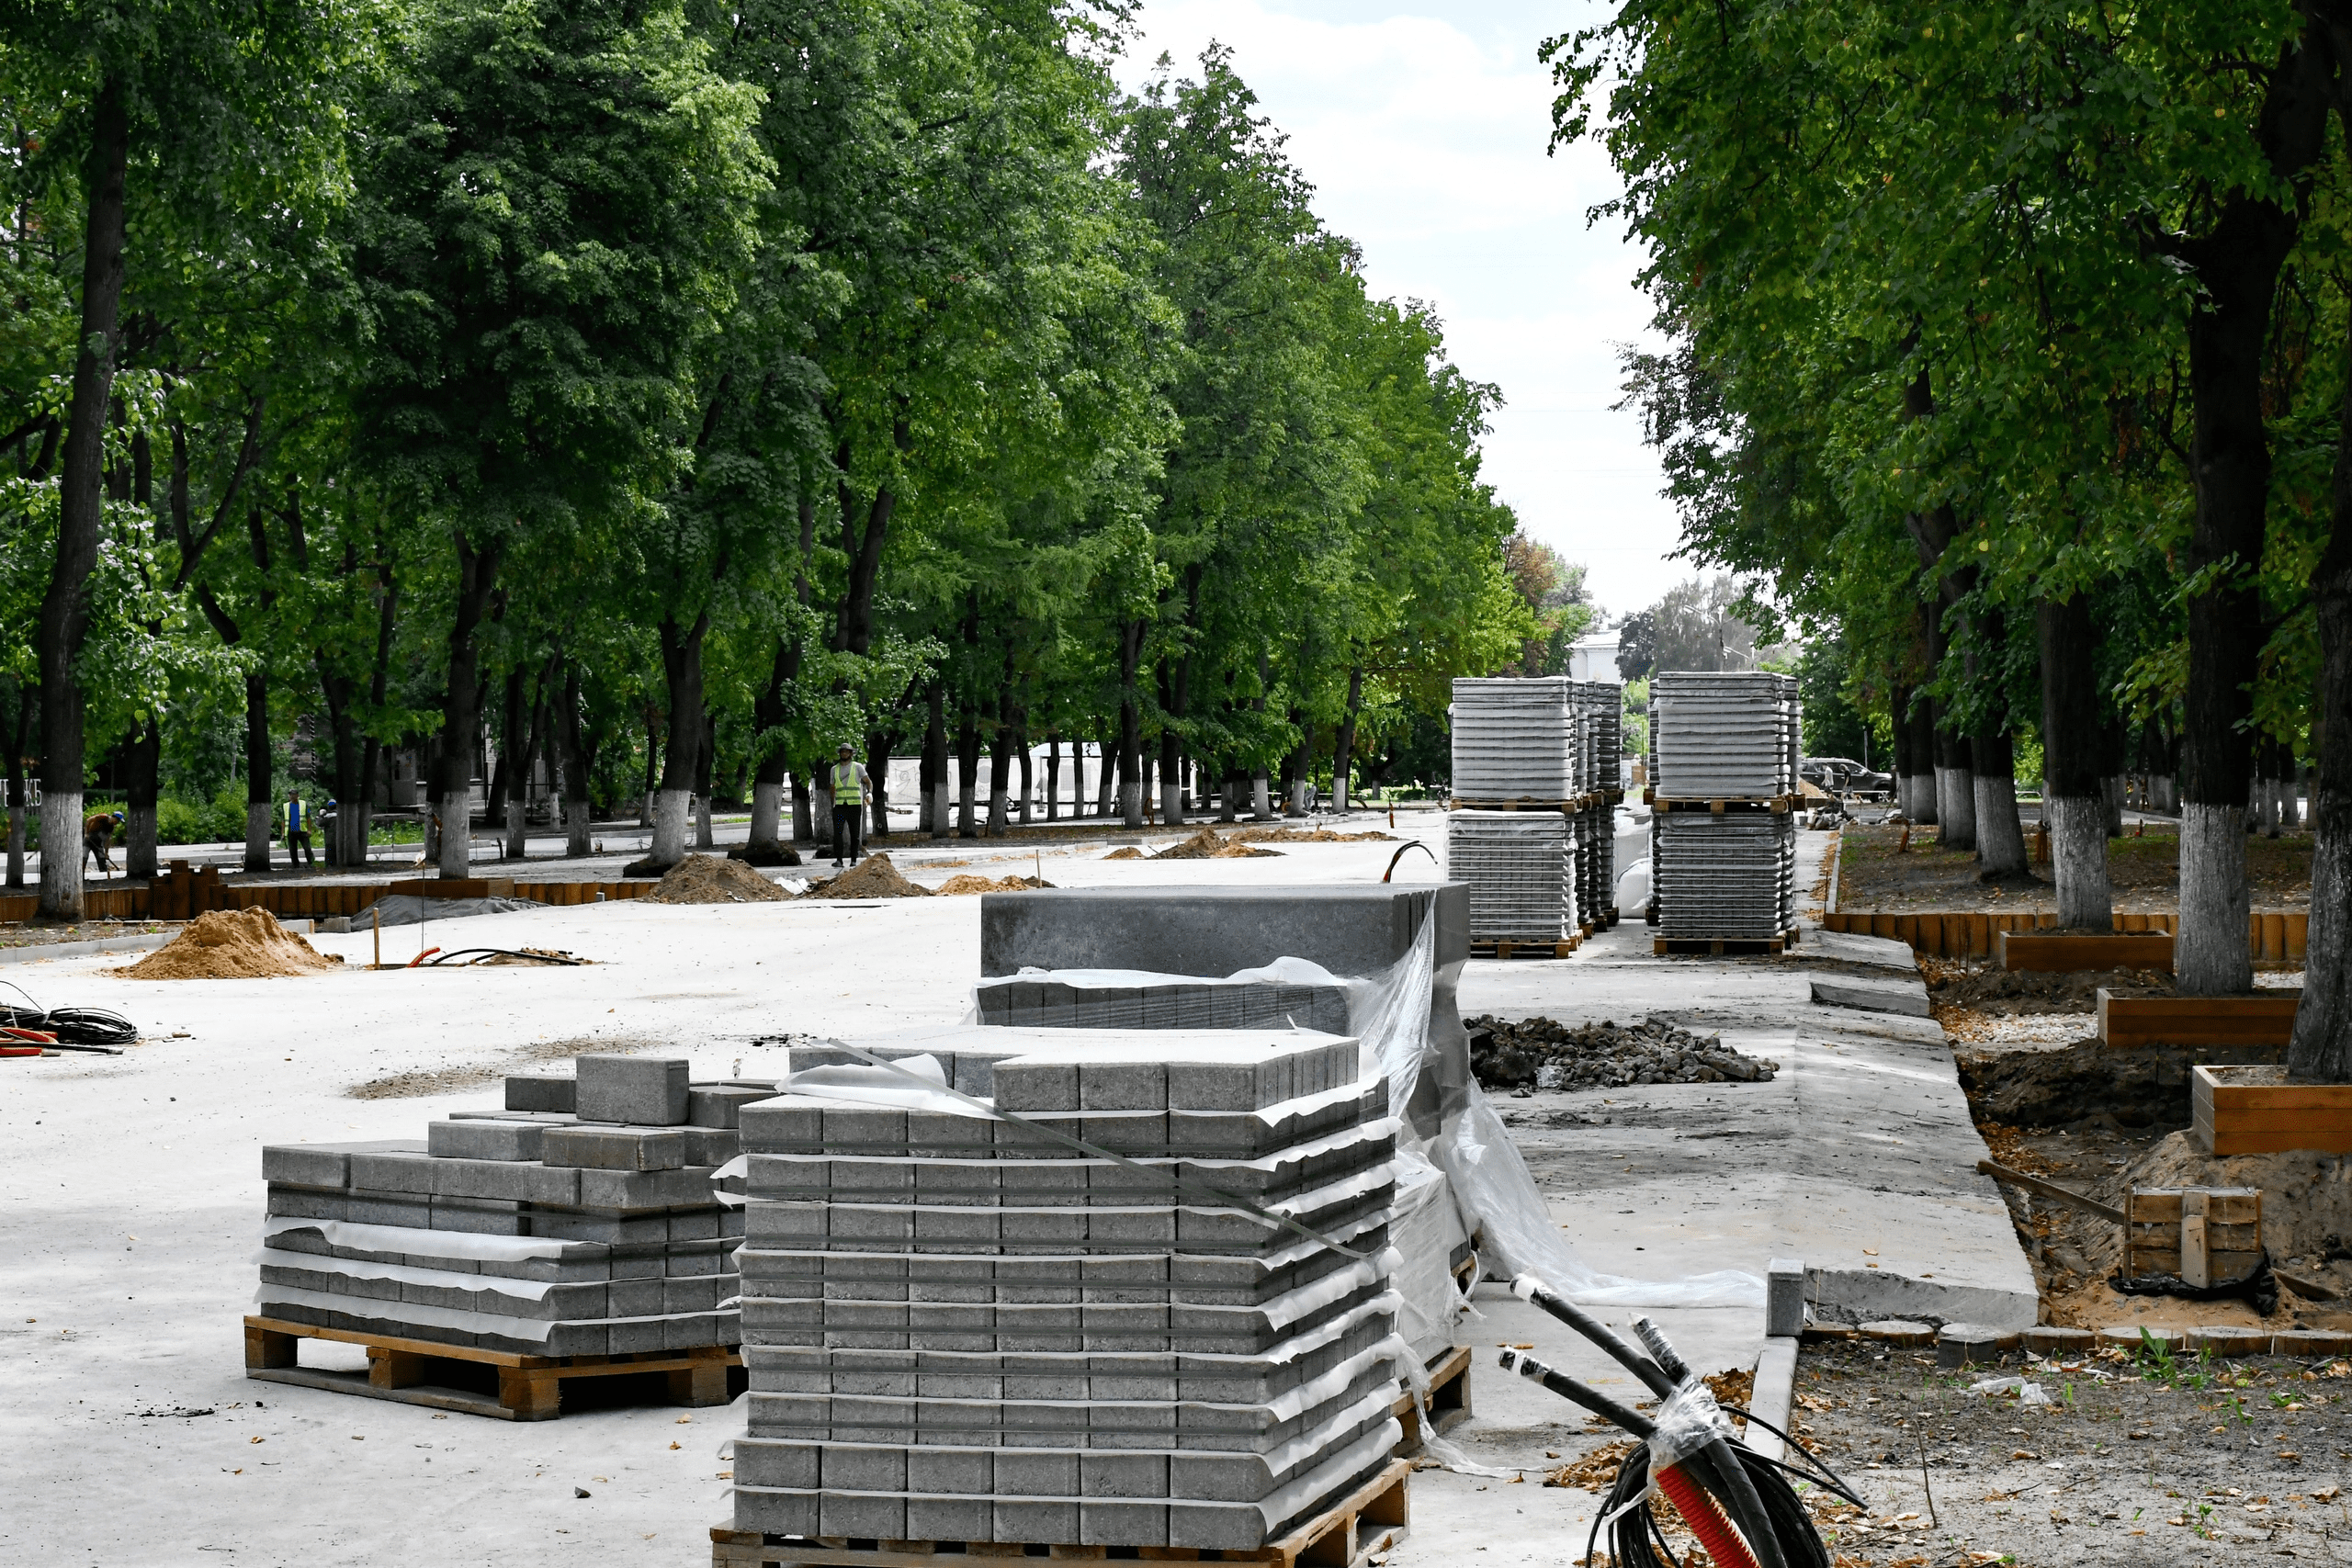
x: 580, y: 1221
x: 1724, y: 841
x: 959, y: 1328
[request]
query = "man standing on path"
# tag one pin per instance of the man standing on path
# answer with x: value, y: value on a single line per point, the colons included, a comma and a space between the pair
x: 850, y: 782
x: 98, y: 832
x: 297, y: 833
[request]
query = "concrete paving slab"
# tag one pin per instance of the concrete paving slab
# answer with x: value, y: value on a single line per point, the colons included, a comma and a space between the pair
x: 1819, y: 946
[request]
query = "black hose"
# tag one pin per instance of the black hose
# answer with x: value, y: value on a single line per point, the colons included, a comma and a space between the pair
x: 83, y: 1027
x: 486, y: 953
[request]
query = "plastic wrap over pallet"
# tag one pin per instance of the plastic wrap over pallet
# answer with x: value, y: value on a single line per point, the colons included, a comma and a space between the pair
x: 1490, y: 1185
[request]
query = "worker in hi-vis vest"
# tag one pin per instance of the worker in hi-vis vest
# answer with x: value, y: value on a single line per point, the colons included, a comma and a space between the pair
x: 849, y: 783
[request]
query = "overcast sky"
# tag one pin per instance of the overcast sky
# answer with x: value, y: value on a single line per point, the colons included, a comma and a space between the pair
x: 1423, y: 128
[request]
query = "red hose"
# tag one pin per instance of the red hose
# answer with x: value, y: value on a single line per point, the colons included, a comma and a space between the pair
x: 1706, y: 1521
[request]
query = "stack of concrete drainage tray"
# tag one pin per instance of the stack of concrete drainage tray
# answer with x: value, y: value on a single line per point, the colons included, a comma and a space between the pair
x: 1723, y: 838
x: 578, y: 1222
x: 960, y: 1328
x: 1519, y: 768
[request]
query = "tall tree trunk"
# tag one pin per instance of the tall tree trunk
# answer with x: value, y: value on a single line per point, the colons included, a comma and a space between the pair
x: 260, y: 808
x: 769, y: 774
x: 2237, y: 264
x: 672, y: 802
x: 1001, y: 753
x: 65, y: 605
x: 1053, y: 774
x: 461, y: 705
x: 804, y: 814
x: 1106, y: 769
x: 2000, y: 836
x: 579, y: 765
x: 1130, y: 725
x: 1343, y: 752
x: 935, y: 748
x: 968, y: 770
x: 536, y: 743
x: 706, y: 774
x: 143, y: 757
x: 20, y: 734
x: 877, y: 768
x: 1921, y: 721
x: 2070, y: 769
x: 2320, y: 1050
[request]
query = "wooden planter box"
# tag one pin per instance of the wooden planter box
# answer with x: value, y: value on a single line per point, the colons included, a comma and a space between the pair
x: 2259, y: 1022
x: 2254, y: 1110
x: 2051, y: 952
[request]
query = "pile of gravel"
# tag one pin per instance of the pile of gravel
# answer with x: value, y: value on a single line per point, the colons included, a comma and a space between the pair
x: 1540, y: 1053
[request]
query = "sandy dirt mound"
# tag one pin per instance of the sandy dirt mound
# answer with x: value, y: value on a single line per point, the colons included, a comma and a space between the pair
x: 1128, y: 852
x: 955, y: 886
x: 714, y: 879
x: 873, y: 877
x: 1207, y: 845
x: 232, y: 944
x: 1307, y: 836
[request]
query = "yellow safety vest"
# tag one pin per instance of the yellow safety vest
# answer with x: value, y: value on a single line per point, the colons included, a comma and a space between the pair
x: 846, y: 791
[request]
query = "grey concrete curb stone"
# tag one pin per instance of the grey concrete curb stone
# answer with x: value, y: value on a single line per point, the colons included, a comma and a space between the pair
x: 1870, y: 995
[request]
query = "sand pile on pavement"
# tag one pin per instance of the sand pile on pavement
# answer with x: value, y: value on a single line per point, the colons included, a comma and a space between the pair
x: 1207, y: 845
x: 1126, y: 852
x: 873, y: 877
x: 714, y: 879
x: 1307, y: 836
x: 968, y: 883
x: 232, y: 944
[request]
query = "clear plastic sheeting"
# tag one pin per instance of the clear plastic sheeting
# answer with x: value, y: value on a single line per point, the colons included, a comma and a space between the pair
x: 1388, y: 1012
x: 1425, y: 1227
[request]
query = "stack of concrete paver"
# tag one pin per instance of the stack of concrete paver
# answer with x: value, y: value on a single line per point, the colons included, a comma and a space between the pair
x: 1518, y: 741
x: 1723, y: 841
x: 1515, y: 740
x: 960, y: 1328
x: 578, y: 1222
x: 1600, y: 713
x: 1522, y: 869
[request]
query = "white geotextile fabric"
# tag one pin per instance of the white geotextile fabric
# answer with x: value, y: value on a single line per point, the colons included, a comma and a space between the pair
x: 420, y: 1243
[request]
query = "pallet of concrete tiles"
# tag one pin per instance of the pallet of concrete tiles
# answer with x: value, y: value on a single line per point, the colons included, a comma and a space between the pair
x: 1522, y: 869
x: 1515, y: 738
x: 1730, y: 877
x: 1160, y: 1002
x: 580, y: 1223
x: 1721, y: 737
x: 1600, y: 715
x: 960, y: 1328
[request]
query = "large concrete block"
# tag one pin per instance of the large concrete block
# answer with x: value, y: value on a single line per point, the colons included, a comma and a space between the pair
x: 614, y: 1148
x: 720, y: 1105
x: 477, y: 1139
x: 326, y: 1165
x: 541, y: 1093
x: 644, y: 1188
x: 645, y: 1090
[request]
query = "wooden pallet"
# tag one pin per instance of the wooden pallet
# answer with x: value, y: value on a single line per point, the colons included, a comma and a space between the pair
x: 1529, y: 947
x: 1570, y: 807
x: 1449, y: 1403
x: 1343, y: 1536
x: 529, y: 1387
x: 1726, y: 804
x: 1723, y: 946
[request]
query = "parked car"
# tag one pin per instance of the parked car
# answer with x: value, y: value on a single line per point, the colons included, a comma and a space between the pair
x: 1843, y: 775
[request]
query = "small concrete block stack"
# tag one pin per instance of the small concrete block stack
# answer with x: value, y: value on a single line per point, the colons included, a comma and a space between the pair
x: 960, y: 1328
x: 578, y: 1222
x: 1030, y: 1003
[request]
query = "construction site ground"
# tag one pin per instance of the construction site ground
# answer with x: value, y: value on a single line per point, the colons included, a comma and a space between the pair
x: 135, y: 1210
x: 1877, y: 872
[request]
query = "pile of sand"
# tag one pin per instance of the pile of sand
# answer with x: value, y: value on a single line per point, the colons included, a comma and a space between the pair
x: 959, y: 884
x: 1307, y: 836
x: 714, y: 879
x: 1128, y: 852
x: 873, y: 877
x: 232, y: 944
x: 1207, y: 845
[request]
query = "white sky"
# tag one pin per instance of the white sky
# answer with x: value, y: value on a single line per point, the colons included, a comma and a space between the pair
x: 1423, y: 128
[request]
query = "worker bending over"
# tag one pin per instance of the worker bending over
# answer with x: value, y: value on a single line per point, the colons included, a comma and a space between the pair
x: 850, y: 781
x: 98, y: 832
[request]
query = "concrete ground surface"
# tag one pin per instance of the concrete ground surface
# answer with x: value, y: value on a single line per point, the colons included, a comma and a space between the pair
x: 134, y: 1206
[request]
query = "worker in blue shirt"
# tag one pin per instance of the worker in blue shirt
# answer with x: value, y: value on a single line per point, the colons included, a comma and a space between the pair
x: 297, y: 833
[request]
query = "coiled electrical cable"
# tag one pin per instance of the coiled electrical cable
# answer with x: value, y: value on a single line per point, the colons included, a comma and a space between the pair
x: 87, y: 1029
x: 1740, y: 1504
